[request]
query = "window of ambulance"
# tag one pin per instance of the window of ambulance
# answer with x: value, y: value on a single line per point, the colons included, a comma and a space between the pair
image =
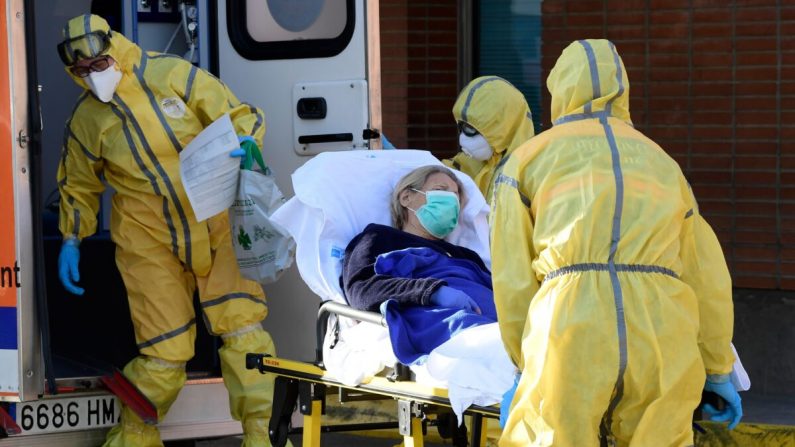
x: 290, y: 29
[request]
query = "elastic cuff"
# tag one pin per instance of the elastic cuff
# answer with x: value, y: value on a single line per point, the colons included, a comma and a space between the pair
x: 718, y: 378
x: 244, y: 330
x: 167, y: 363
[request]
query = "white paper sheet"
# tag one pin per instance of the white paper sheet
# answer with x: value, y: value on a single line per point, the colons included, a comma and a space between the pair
x: 209, y: 174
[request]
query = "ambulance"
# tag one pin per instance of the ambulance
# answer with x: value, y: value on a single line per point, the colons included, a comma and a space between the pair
x: 312, y: 66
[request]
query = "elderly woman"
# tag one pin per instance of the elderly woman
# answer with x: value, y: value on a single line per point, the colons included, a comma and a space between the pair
x: 428, y: 288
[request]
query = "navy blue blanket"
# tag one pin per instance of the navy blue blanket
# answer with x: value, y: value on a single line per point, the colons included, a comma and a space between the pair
x: 416, y: 330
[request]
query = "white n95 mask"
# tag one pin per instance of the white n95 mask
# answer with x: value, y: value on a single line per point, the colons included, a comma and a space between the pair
x: 103, y: 83
x: 476, y: 147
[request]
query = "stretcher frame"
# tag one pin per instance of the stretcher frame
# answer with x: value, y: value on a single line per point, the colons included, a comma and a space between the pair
x: 306, y: 385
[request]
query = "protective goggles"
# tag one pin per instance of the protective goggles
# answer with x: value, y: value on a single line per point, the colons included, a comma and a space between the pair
x: 87, y: 46
x: 466, y: 129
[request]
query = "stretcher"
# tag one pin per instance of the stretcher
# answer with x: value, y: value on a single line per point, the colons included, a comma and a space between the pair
x: 306, y: 385
x: 336, y: 195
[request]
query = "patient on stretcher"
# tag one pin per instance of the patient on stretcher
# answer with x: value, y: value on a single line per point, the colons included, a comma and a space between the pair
x: 427, y: 288
x: 342, y: 199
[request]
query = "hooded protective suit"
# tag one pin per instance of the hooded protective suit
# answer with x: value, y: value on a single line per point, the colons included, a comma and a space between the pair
x: 612, y: 293
x: 500, y: 113
x: 163, y: 253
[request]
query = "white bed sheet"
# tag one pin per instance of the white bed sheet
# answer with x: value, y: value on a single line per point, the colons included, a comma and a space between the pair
x: 473, y: 365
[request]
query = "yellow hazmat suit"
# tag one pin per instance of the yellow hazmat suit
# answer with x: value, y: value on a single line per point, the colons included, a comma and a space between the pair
x: 499, y: 111
x: 162, y: 252
x: 612, y: 293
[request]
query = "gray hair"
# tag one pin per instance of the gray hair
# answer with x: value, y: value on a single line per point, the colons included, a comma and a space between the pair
x: 415, y: 180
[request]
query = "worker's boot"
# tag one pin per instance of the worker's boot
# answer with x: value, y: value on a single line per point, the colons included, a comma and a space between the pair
x: 160, y: 381
x: 133, y: 432
x: 250, y: 392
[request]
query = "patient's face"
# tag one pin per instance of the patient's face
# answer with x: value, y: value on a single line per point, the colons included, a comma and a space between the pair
x: 435, y: 182
x: 414, y: 200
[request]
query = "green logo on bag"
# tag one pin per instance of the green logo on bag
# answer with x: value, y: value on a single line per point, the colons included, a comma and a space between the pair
x: 243, y: 239
x: 263, y: 233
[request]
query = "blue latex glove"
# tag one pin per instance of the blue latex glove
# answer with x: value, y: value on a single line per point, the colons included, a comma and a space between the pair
x: 240, y: 152
x: 723, y: 387
x: 385, y: 143
x: 507, y: 398
x: 250, y: 155
x: 67, y: 266
x: 453, y: 298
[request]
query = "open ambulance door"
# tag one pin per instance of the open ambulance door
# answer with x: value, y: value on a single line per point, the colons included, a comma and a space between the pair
x: 313, y: 66
x: 21, y: 372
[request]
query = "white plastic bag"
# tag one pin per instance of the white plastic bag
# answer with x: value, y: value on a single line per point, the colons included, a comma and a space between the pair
x: 739, y: 377
x: 264, y: 249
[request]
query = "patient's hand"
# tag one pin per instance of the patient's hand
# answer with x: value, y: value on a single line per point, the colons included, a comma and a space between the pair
x: 449, y: 297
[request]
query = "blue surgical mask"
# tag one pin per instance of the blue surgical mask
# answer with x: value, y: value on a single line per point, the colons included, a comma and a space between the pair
x: 439, y: 215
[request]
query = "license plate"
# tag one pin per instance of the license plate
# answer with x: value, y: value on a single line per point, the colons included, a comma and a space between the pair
x: 67, y: 414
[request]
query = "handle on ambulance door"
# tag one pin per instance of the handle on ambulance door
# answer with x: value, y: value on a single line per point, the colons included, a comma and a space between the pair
x: 325, y: 138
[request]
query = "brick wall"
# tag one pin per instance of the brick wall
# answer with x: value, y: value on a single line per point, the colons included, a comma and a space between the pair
x: 419, y: 62
x: 713, y: 82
